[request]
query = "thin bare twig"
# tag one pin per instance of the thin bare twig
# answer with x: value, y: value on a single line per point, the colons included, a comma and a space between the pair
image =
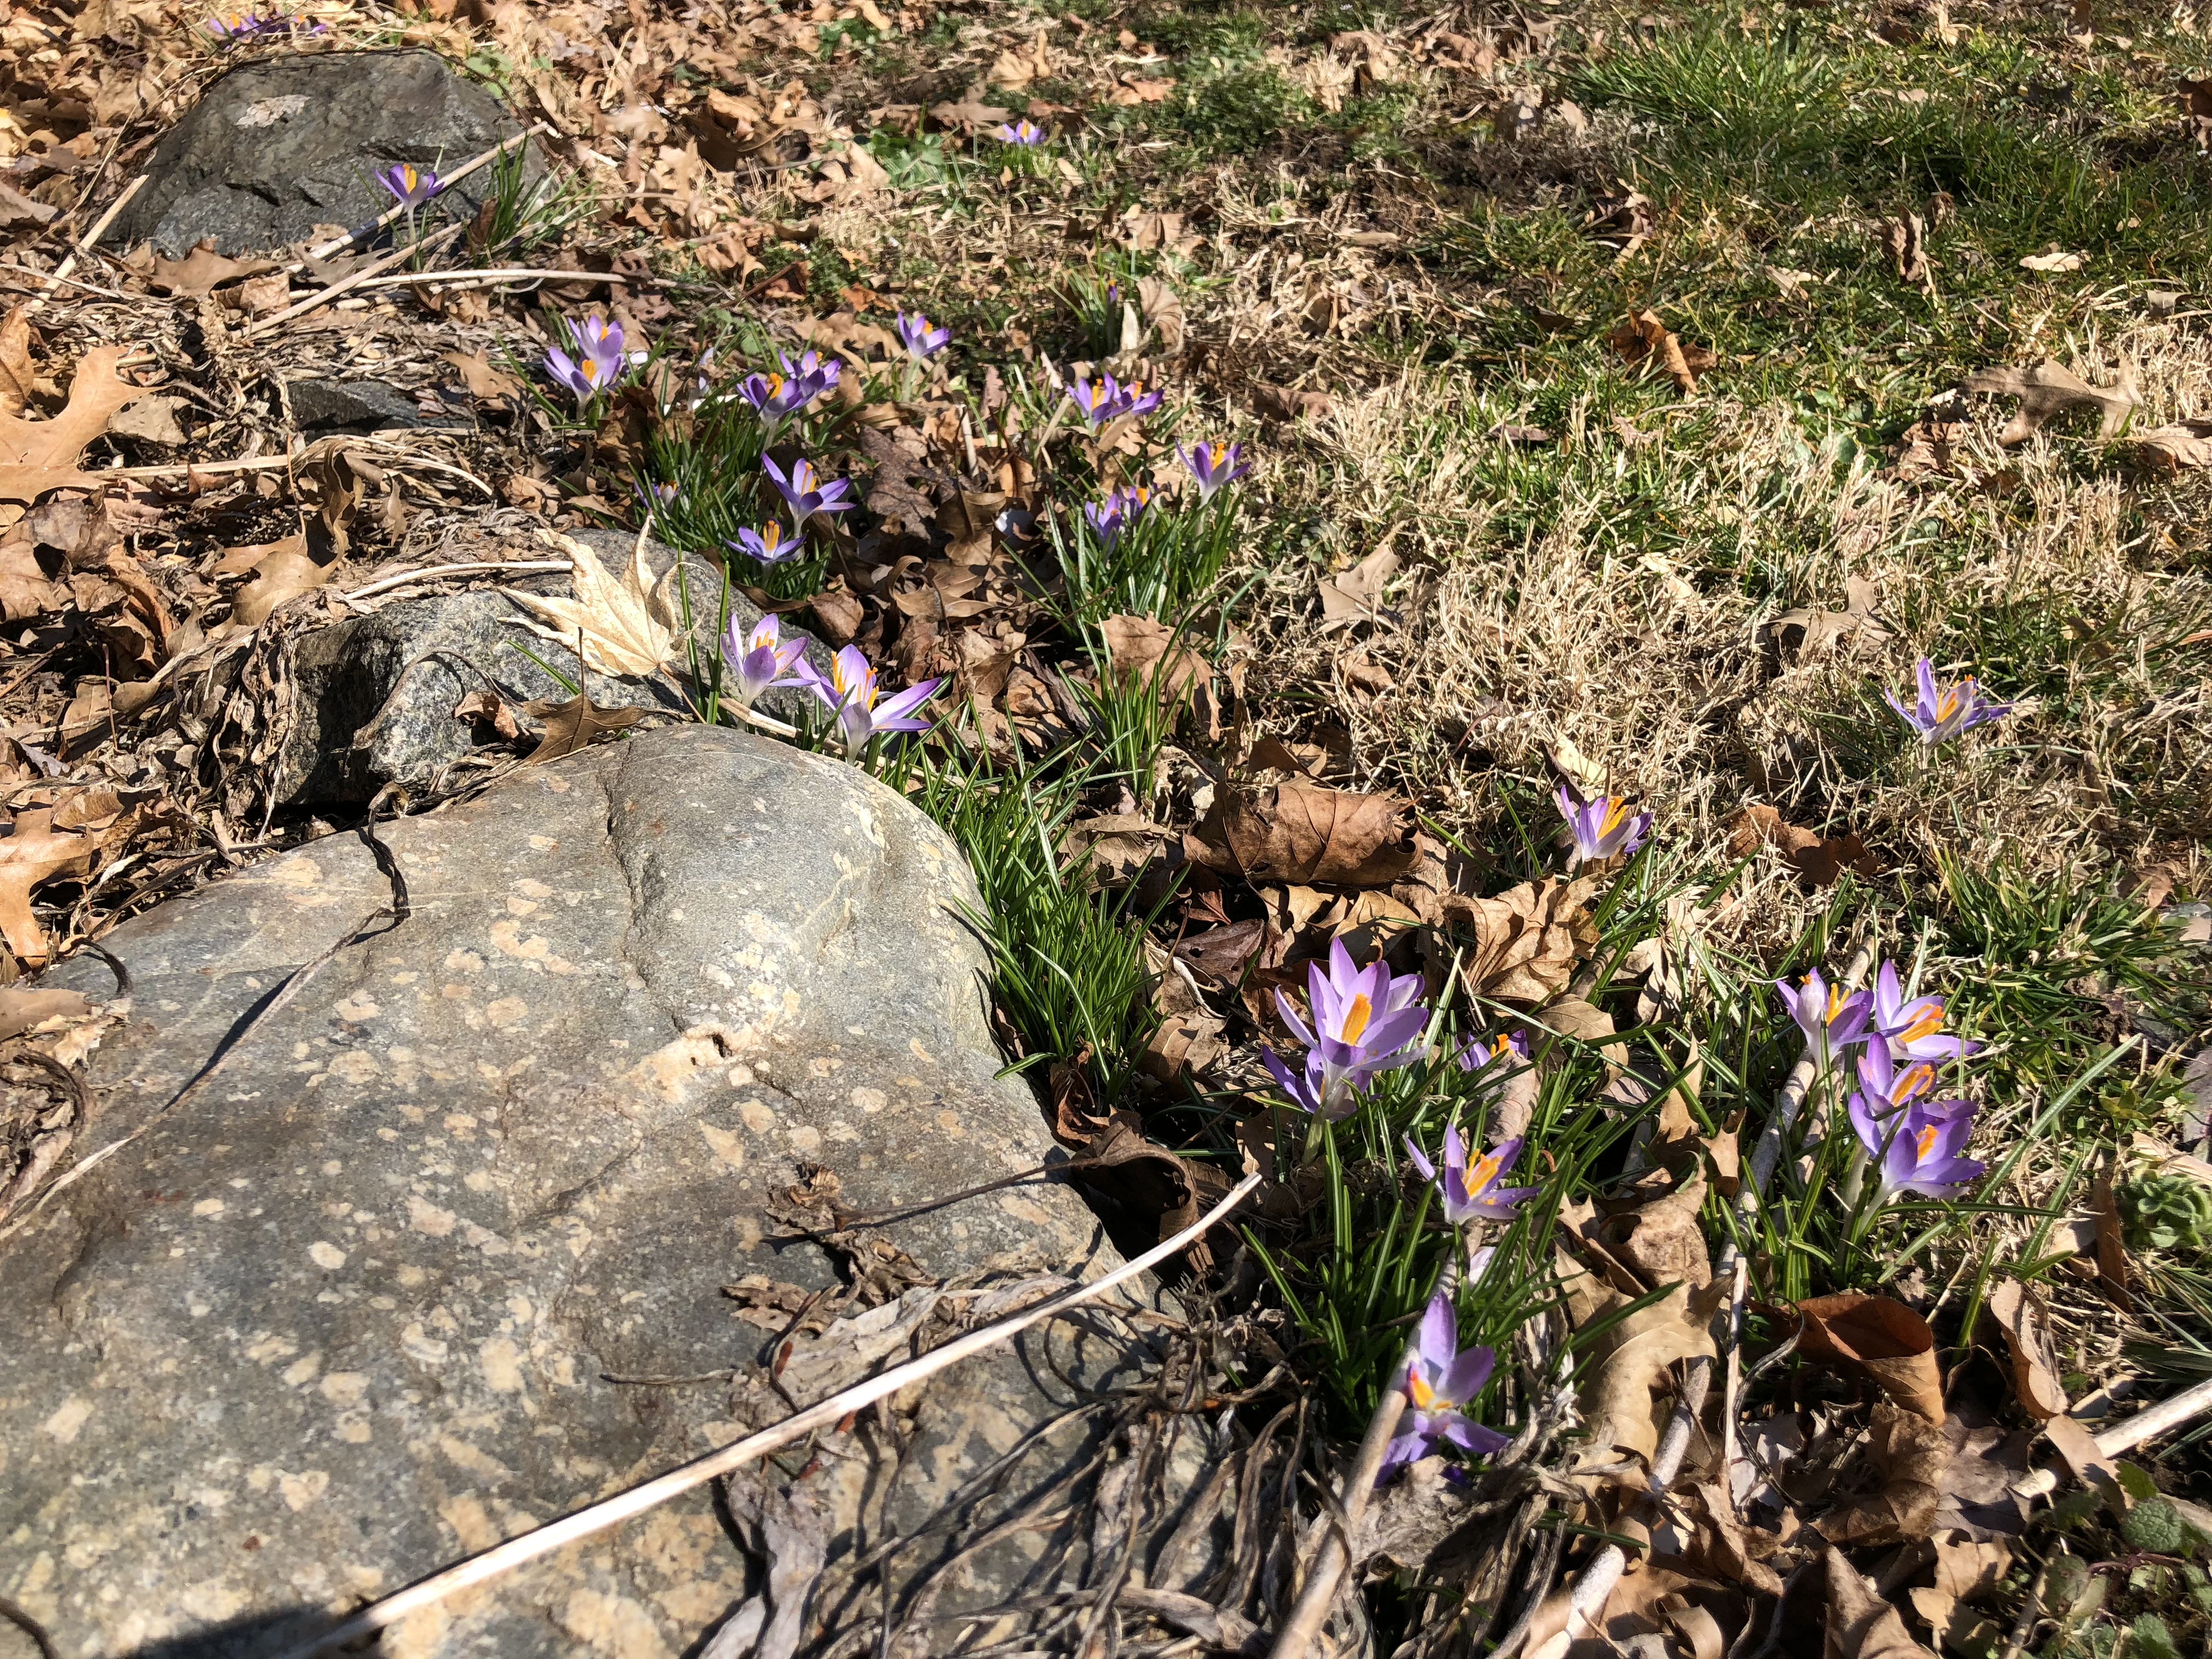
x: 597, y: 1518
x: 2146, y: 1425
x: 85, y: 244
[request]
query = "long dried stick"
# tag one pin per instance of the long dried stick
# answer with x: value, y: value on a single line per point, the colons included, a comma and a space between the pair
x: 612, y: 1511
x: 2146, y: 1425
x: 1594, y: 1585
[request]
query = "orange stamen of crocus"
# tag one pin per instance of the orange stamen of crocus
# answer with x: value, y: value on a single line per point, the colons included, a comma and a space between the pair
x: 1356, y: 1018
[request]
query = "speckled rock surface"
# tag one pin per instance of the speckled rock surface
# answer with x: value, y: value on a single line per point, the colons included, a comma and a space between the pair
x: 276, y: 147
x: 353, y: 735
x: 347, y: 1316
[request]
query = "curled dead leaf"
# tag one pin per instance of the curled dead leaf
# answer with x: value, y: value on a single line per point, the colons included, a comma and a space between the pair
x: 283, y: 571
x: 1527, y: 940
x: 1860, y: 1624
x: 1143, y: 648
x: 1148, y: 1180
x: 2026, y: 1322
x: 1623, y: 1378
x: 2175, y: 448
x: 1644, y: 341
x: 1878, y: 1338
x: 35, y: 851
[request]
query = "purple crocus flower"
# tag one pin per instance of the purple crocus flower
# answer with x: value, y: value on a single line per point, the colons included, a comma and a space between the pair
x: 410, y: 186
x: 1022, y: 132
x: 1921, y: 1149
x: 599, y: 362
x: 774, y: 398
x: 1472, y: 1190
x: 1097, y: 402
x: 1215, y: 465
x: 654, y: 497
x: 1602, y: 827
x: 1884, y: 1087
x: 1915, y: 1029
x: 849, y: 690
x: 1479, y: 1054
x: 1365, y: 1023
x: 236, y: 28
x: 805, y: 494
x: 1941, y: 713
x: 758, y: 660
x: 1119, y: 512
x: 918, y: 339
x: 1831, y: 1022
x: 769, y: 545
x: 1439, y: 1382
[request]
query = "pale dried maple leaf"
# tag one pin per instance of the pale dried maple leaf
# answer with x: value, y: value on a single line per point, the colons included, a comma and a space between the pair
x: 2047, y: 389
x: 623, y: 627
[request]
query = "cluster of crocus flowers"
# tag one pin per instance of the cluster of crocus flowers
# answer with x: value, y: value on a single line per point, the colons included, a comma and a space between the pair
x: 1117, y: 513
x: 1105, y: 400
x: 1214, y: 467
x: 774, y: 398
x: 851, y: 694
x: 1470, y: 1192
x: 1365, y: 1022
x: 1940, y: 713
x: 1441, y: 1380
x: 805, y: 494
x: 758, y: 660
x: 599, y: 361
x: 1023, y: 132
x: 410, y: 186
x: 1918, y: 1145
x: 1601, y: 826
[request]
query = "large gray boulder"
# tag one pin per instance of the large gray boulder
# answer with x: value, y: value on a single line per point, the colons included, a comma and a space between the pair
x: 349, y: 1312
x: 375, y: 695
x: 281, y: 145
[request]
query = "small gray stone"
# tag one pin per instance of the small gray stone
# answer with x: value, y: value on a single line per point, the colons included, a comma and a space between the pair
x: 375, y: 696
x: 349, y: 1312
x: 353, y: 406
x: 278, y: 146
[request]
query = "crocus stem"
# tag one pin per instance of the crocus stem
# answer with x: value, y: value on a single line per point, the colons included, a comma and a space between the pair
x: 1853, y: 1186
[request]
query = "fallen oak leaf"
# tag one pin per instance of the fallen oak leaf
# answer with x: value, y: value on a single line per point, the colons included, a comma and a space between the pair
x: 37, y: 456
x: 33, y: 852
x: 202, y: 271
x: 1306, y: 836
x: 2047, y: 389
x: 1819, y: 627
x: 576, y: 724
x: 1356, y: 595
x: 25, y: 1007
x: 1140, y: 647
x: 1907, y: 1455
x: 621, y: 627
x: 16, y: 375
x: 1820, y: 860
x: 2173, y: 448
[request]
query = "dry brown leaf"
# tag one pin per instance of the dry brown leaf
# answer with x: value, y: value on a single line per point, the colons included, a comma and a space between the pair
x: 25, y: 1007
x: 1660, y: 1237
x: 1148, y: 1181
x: 2112, y: 1248
x: 1967, y: 1570
x: 2175, y: 448
x: 576, y: 724
x: 16, y: 375
x: 1644, y: 340
x: 1527, y: 940
x: 1725, y: 1548
x: 1305, y: 834
x: 1905, y: 240
x: 1282, y: 403
x: 970, y: 114
x: 284, y: 571
x: 1907, y: 1454
x: 1140, y: 646
x: 202, y: 271
x: 1880, y: 1338
x: 1163, y: 314
x: 488, y: 711
x: 2089, y: 1461
x: 1631, y: 1364
x: 1820, y: 628
x: 36, y: 456
x: 1860, y: 1624
x: 1926, y: 448
x: 1820, y: 860
x: 1356, y: 595
x: 486, y: 383
x: 623, y: 628
x: 35, y: 851
x: 2047, y: 389
x: 2020, y: 1313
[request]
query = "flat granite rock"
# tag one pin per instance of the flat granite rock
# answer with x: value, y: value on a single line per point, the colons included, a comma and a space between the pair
x: 278, y: 146
x: 376, y: 694
x: 348, y: 1314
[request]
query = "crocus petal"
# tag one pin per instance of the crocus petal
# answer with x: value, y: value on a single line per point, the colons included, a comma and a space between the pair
x: 1438, y: 1344
x: 1419, y: 1159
